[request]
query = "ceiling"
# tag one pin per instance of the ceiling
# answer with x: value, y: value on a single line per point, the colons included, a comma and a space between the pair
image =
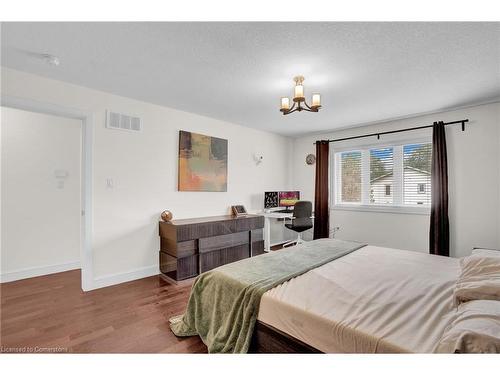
x: 237, y: 72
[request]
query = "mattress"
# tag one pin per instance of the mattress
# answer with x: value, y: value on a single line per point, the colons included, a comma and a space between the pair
x: 374, y: 300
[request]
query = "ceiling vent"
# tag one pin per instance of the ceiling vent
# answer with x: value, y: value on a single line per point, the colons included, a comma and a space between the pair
x: 120, y: 121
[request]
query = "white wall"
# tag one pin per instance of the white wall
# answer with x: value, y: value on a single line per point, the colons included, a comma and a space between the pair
x: 144, y: 170
x: 143, y: 167
x: 40, y: 213
x: 474, y: 184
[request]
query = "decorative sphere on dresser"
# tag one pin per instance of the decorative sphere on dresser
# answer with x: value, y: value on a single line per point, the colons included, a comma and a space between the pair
x: 166, y: 215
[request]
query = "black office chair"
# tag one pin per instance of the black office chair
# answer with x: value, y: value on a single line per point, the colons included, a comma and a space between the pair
x: 302, y: 221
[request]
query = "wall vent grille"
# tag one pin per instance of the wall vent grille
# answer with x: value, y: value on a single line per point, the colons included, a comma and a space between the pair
x: 120, y: 121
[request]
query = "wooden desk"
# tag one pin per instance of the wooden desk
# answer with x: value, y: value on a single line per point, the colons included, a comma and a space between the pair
x: 189, y: 247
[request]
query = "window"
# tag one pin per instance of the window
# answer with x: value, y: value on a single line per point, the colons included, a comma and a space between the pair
x: 392, y: 175
x: 417, y: 173
x: 381, y: 175
x: 351, y: 177
x: 387, y: 190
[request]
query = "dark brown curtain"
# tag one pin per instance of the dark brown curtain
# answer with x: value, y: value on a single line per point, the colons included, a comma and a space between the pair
x: 321, y: 209
x: 439, y: 234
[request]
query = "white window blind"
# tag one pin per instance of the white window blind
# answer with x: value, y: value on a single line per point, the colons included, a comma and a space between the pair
x: 392, y: 175
x: 349, y: 177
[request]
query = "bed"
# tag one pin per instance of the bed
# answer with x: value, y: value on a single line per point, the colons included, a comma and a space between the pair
x: 363, y: 299
x: 398, y: 301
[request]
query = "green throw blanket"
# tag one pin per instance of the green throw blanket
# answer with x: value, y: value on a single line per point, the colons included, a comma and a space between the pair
x: 224, y: 303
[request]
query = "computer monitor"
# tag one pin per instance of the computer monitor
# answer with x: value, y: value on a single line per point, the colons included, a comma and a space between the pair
x: 271, y: 199
x: 288, y: 198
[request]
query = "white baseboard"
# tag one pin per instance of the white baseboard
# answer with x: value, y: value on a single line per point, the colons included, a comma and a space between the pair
x: 118, y: 278
x: 99, y: 282
x: 26, y: 273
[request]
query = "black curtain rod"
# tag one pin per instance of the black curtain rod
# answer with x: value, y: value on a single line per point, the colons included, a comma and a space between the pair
x: 396, y: 131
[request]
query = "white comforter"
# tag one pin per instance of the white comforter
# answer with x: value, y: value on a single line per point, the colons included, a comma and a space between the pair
x: 372, y: 300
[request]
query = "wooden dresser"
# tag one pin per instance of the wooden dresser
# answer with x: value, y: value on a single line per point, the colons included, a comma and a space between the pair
x: 189, y: 247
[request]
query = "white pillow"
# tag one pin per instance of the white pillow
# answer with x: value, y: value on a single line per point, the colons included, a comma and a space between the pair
x: 486, y: 252
x: 478, y: 279
x: 475, y: 329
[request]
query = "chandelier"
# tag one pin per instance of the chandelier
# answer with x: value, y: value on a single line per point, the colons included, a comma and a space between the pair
x: 299, y: 101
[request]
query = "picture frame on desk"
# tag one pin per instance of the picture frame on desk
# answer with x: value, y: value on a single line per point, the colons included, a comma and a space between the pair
x: 239, y: 210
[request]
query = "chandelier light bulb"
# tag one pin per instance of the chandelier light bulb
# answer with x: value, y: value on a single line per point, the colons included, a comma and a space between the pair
x: 285, y: 103
x: 316, y: 100
x: 299, y: 91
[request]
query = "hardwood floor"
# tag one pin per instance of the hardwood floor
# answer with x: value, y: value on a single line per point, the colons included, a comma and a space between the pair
x: 52, y: 314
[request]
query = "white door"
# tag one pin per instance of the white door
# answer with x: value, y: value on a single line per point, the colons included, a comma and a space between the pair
x: 41, y: 194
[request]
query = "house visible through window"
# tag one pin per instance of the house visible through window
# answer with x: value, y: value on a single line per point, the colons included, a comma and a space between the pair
x: 417, y: 174
x: 395, y: 175
x: 381, y: 175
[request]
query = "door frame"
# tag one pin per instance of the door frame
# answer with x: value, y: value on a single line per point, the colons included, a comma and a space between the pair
x: 87, y: 118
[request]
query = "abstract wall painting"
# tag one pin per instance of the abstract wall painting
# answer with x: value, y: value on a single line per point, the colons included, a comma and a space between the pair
x: 202, y: 162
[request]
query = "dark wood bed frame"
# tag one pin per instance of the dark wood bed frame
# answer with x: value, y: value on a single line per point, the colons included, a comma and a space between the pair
x: 267, y: 339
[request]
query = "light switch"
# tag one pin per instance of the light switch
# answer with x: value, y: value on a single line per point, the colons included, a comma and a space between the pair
x: 109, y: 183
x: 61, y: 176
